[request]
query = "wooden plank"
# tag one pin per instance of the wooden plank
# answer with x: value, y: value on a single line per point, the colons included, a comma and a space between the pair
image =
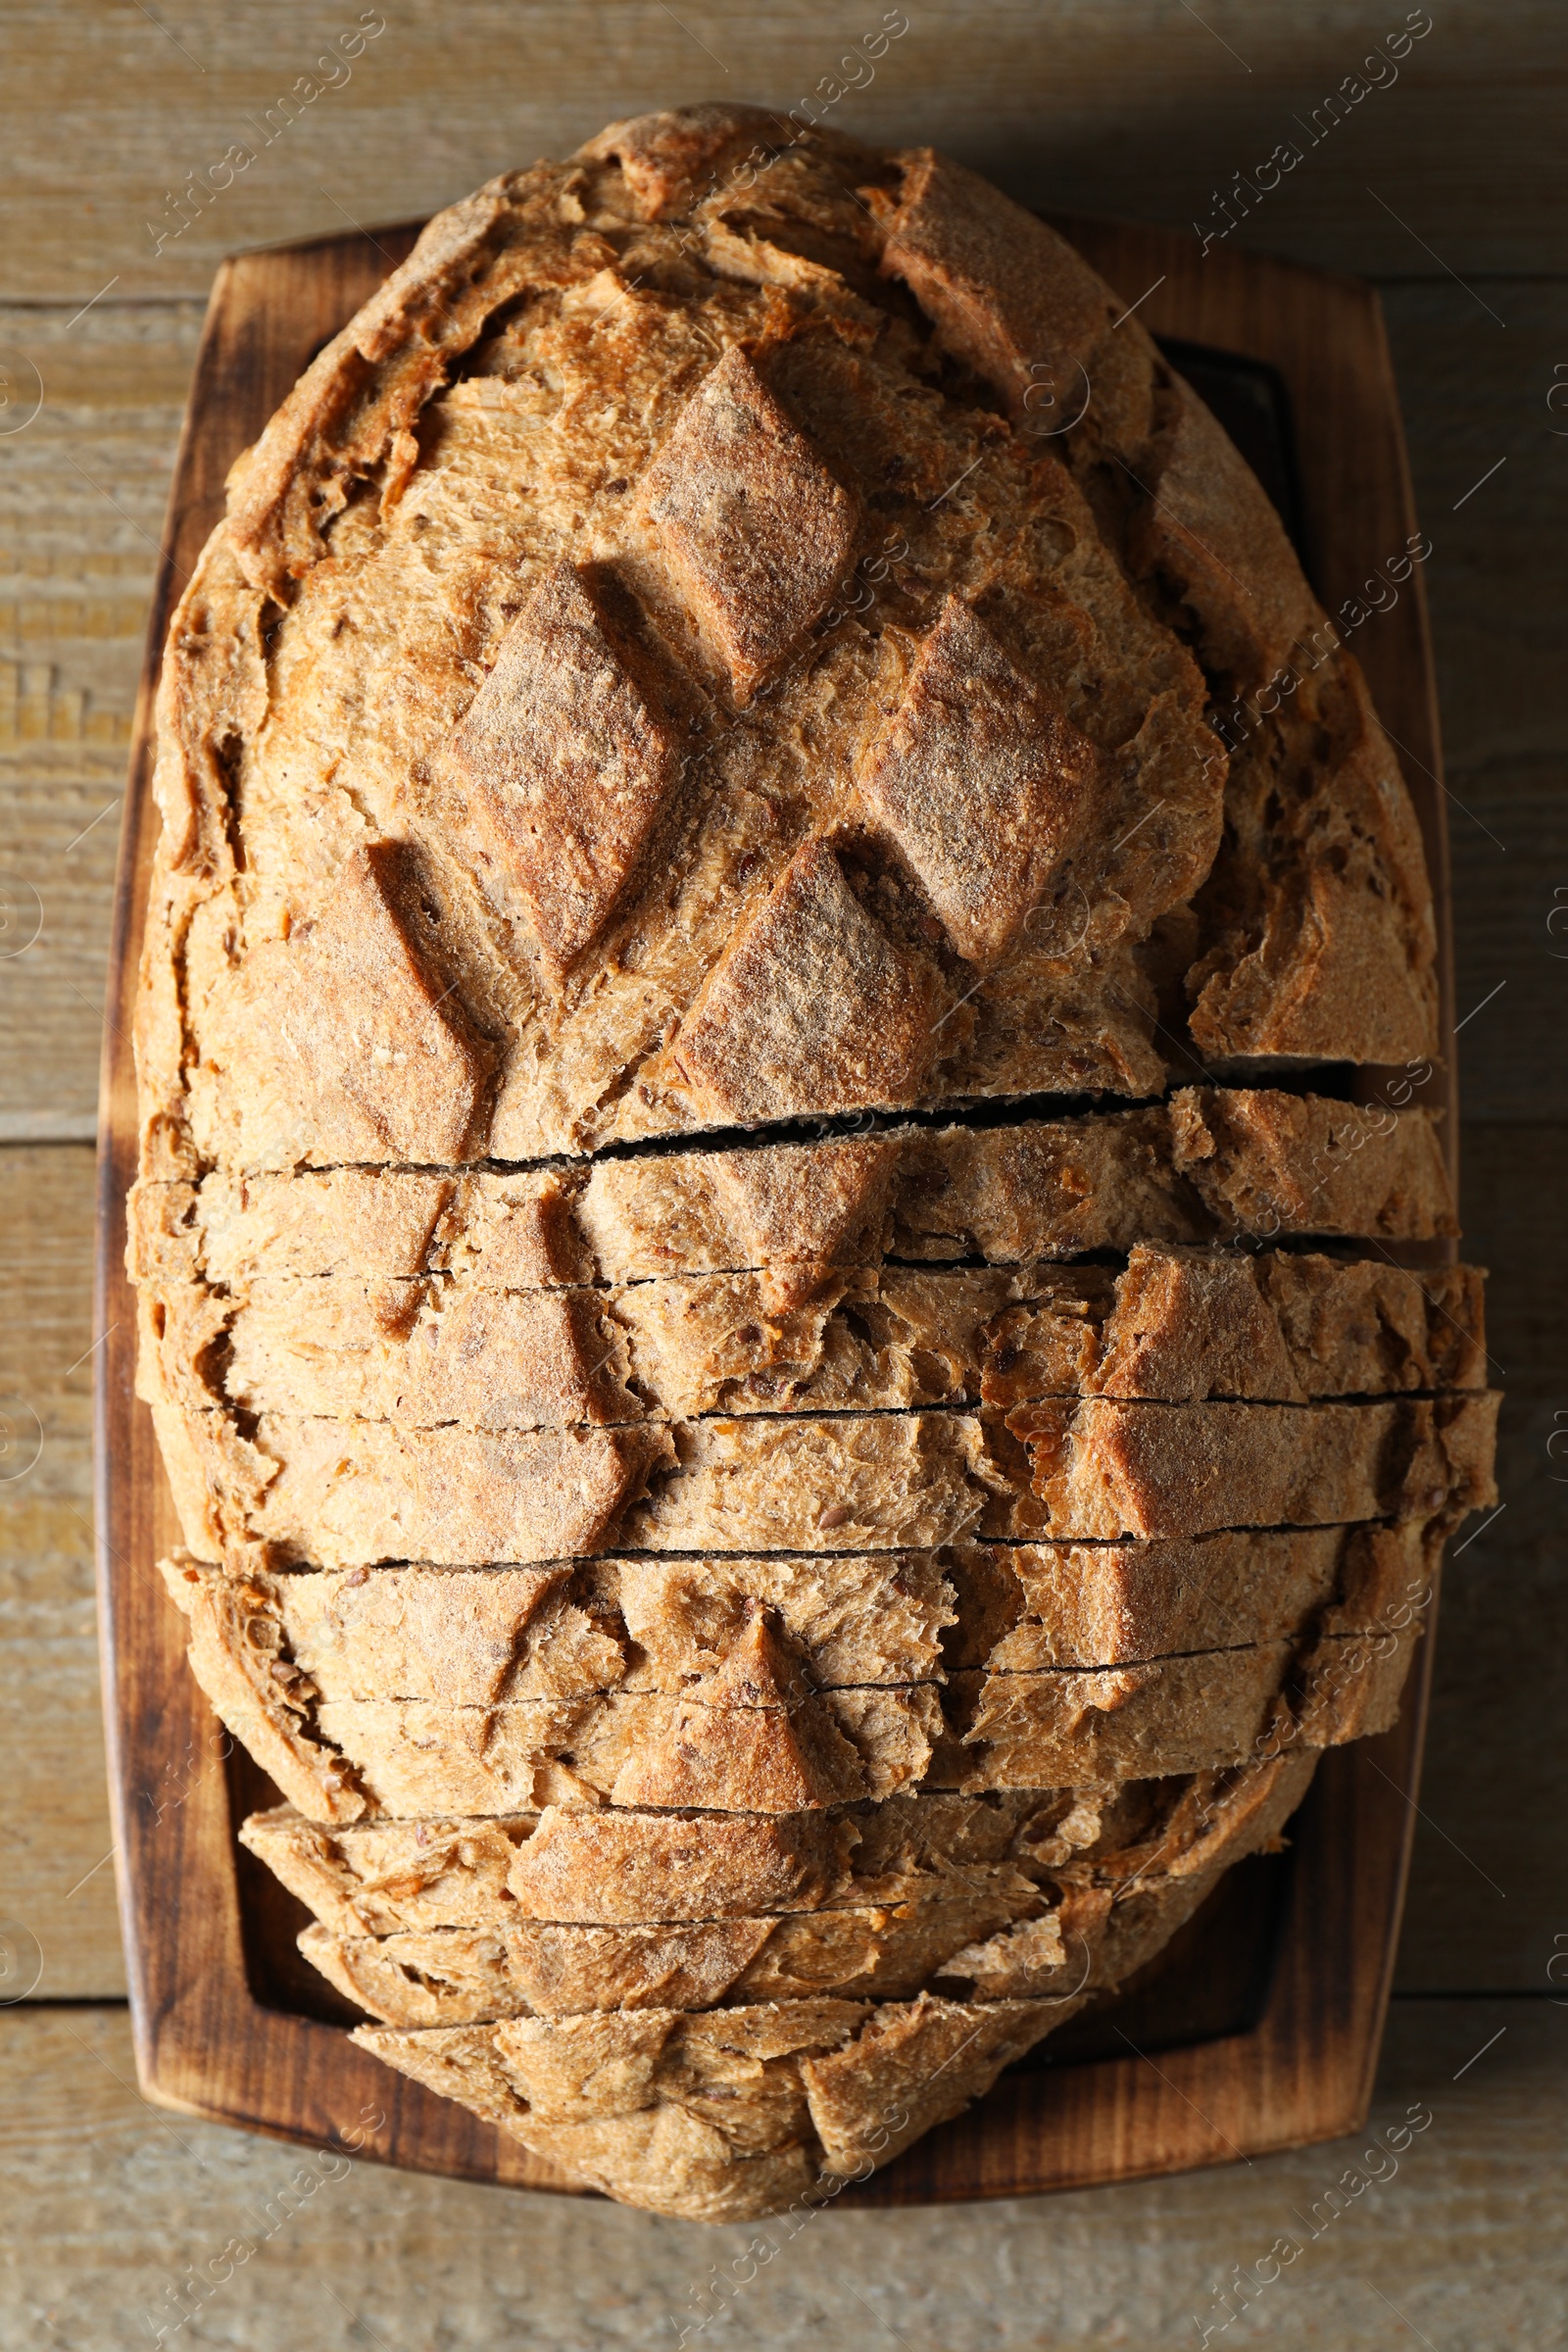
x: 82, y: 488
x: 1512, y: 967
x: 1490, y: 464
x: 1491, y: 1852
x: 1512, y: 1208
x: 110, y: 2205
x: 81, y: 495
x: 61, y: 830
x: 56, y: 1882
x: 1474, y: 393
x: 1141, y: 109
x: 1302, y: 2070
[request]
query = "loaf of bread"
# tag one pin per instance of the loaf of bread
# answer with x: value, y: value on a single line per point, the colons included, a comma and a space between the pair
x: 796, y: 1400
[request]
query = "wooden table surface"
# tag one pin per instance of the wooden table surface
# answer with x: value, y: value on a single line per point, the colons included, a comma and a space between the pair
x: 1445, y: 186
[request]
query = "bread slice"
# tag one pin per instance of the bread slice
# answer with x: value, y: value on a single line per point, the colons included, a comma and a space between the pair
x: 705, y: 2115
x: 1000, y: 1927
x: 485, y: 1637
x: 1210, y: 1164
x: 532, y: 1968
x: 347, y: 1493
x: 755, y: 1732
x: 753, y: 1737
x: 1104, y: 1468
x: 618, y: 1866
x: 499, y: 1636
x: 1195, y: 1713
x: 1022, y: 1606
x: 1178, y: 1325
x: 350, y: 1494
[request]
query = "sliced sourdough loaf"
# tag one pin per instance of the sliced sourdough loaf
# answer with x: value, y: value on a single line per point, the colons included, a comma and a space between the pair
x: 685, y: 797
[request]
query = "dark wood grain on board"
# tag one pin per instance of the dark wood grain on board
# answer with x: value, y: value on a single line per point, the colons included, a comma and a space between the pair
x: 220, y: 2034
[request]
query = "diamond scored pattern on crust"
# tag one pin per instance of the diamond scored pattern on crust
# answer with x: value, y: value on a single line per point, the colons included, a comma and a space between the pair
x: 754, y: 528
x: 566, y: 764
x: 978, y: 783
x: 811, y: 1008
x: 751, y: 1738
x: 340, y: 1041
x: 797, y: 1215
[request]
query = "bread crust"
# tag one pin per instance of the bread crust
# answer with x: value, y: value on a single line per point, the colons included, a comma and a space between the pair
x: 1192, y: 1713
x: 621, y: 2099
x: 618, y: 1866
x: 996, y: 1931
x: 632, y: 365
x: 1108, y: 1468
x: 456, y: 1975
x: 499, y: 1636
x: 1319, y: 906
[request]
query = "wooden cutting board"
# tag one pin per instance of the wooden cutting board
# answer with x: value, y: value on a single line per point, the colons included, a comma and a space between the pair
x: 1258, y: 2028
